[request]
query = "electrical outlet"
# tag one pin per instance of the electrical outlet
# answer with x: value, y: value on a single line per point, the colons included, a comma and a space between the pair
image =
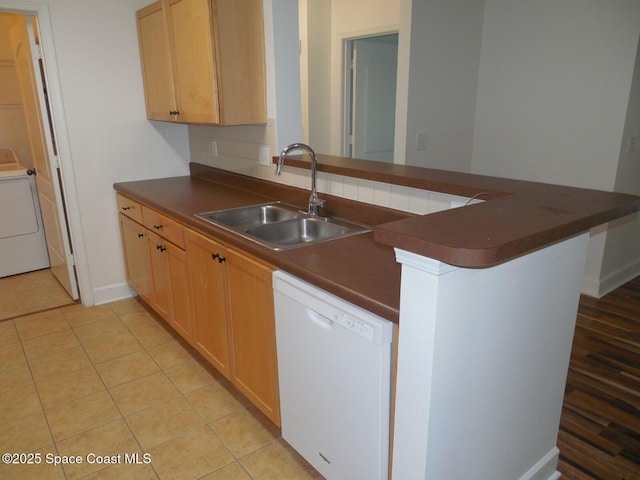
x: 214, y: 148
x: 264, y: 156
x: 421, y: 142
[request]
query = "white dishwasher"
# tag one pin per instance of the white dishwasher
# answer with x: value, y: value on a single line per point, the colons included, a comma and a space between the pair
x: 334, y: 368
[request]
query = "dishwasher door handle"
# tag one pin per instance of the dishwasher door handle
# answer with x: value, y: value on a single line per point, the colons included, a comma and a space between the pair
x: 320, y: 320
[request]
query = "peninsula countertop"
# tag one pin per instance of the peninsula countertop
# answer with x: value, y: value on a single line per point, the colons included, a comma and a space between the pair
x: 517, y: 217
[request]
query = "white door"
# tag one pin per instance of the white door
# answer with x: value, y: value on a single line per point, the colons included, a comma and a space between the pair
x: 375, y: 62
x: 42, y: 141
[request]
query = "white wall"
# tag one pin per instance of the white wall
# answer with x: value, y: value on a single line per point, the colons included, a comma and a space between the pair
x: 107, y: 138
x: 110, y: 138
x: 553, y: 89
x: 621, y: 257
x: 284, y: 86
x: 443, y: 77
x: 315, y: 72
x: 628, y: 174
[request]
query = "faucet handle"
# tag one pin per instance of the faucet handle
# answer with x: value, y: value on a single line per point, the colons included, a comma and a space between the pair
x: 315, y: 204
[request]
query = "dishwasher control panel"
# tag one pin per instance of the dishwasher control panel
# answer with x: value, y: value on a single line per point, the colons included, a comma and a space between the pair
x: 356, y: 325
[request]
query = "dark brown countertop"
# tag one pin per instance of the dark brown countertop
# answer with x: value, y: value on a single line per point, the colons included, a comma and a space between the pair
x: 355, y: 268
x: 519, y: 216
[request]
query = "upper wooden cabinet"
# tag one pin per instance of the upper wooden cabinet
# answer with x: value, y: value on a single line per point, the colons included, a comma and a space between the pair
x: 203, y: 61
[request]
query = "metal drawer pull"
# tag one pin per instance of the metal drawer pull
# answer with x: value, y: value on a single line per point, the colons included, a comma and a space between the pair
x: 218, y: 257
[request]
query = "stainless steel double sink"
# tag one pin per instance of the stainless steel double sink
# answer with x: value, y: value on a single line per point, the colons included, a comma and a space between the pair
x: 280, y: 226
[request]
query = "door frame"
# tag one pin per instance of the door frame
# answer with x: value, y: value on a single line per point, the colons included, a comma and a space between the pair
x: 349, y: 75
x: 339, y: 77
x: 40, y: 9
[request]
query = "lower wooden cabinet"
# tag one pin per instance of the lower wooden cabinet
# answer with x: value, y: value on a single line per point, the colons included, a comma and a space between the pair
x: 170, y: 293
x: 255, y: 371
x: 218, y: 298
x: 160, y: 274
x: 207, y: 284
x: 156, y: 268
x: 136, y: 257
x: 181, y: 318
x: 233, y: 318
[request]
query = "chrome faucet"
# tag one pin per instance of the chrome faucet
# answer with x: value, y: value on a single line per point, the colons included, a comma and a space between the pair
x: 314, y: 202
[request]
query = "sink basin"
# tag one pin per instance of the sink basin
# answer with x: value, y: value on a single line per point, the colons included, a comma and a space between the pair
x: 302, y: 230
x: 251, y: 215
x: 280, y: 226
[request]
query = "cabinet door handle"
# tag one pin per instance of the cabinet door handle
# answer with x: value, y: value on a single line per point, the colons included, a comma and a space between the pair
x: 162, y: 248
x: 218, y: 257
x: 140, y: 235
x: 174, y: 112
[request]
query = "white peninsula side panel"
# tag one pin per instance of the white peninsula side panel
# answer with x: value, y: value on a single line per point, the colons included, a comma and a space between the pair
x: 482, y: 365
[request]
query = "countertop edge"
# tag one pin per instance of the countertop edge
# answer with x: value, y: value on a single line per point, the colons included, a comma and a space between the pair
x: 406, y: 235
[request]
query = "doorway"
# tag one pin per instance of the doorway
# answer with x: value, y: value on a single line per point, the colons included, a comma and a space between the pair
x: 26, y: 51
x: 369, y: 97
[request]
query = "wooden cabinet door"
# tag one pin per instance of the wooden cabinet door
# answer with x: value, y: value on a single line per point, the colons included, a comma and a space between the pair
x: 159, y: 257
x: 191, y: 39
x: 253, y: 332
x: 181, y: 306
x: 136, y: 256
x: 208, y: 284
x: 155, y: 57
x: 240, y: 63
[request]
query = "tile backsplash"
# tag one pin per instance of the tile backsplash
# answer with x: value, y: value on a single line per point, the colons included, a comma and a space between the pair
x: 237, y: 149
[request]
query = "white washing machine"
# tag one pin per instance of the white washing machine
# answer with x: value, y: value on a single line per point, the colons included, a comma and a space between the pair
x: 23, y: 246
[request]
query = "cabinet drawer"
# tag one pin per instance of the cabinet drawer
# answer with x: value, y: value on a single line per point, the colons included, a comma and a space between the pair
x: 163, y: 226
x: 130, y: 208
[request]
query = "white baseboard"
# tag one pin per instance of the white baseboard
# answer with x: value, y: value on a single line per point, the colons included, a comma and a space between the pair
x: 545, y: 469
x: 598, y: 287
x: 621, y: 276
x: 111, y: 293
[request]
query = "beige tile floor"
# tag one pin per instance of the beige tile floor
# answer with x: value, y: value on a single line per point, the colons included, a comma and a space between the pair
x: 112, y: 380
x: 30, y: 292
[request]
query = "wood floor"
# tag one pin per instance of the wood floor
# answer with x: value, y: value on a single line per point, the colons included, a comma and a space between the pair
x: 599, y: 434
